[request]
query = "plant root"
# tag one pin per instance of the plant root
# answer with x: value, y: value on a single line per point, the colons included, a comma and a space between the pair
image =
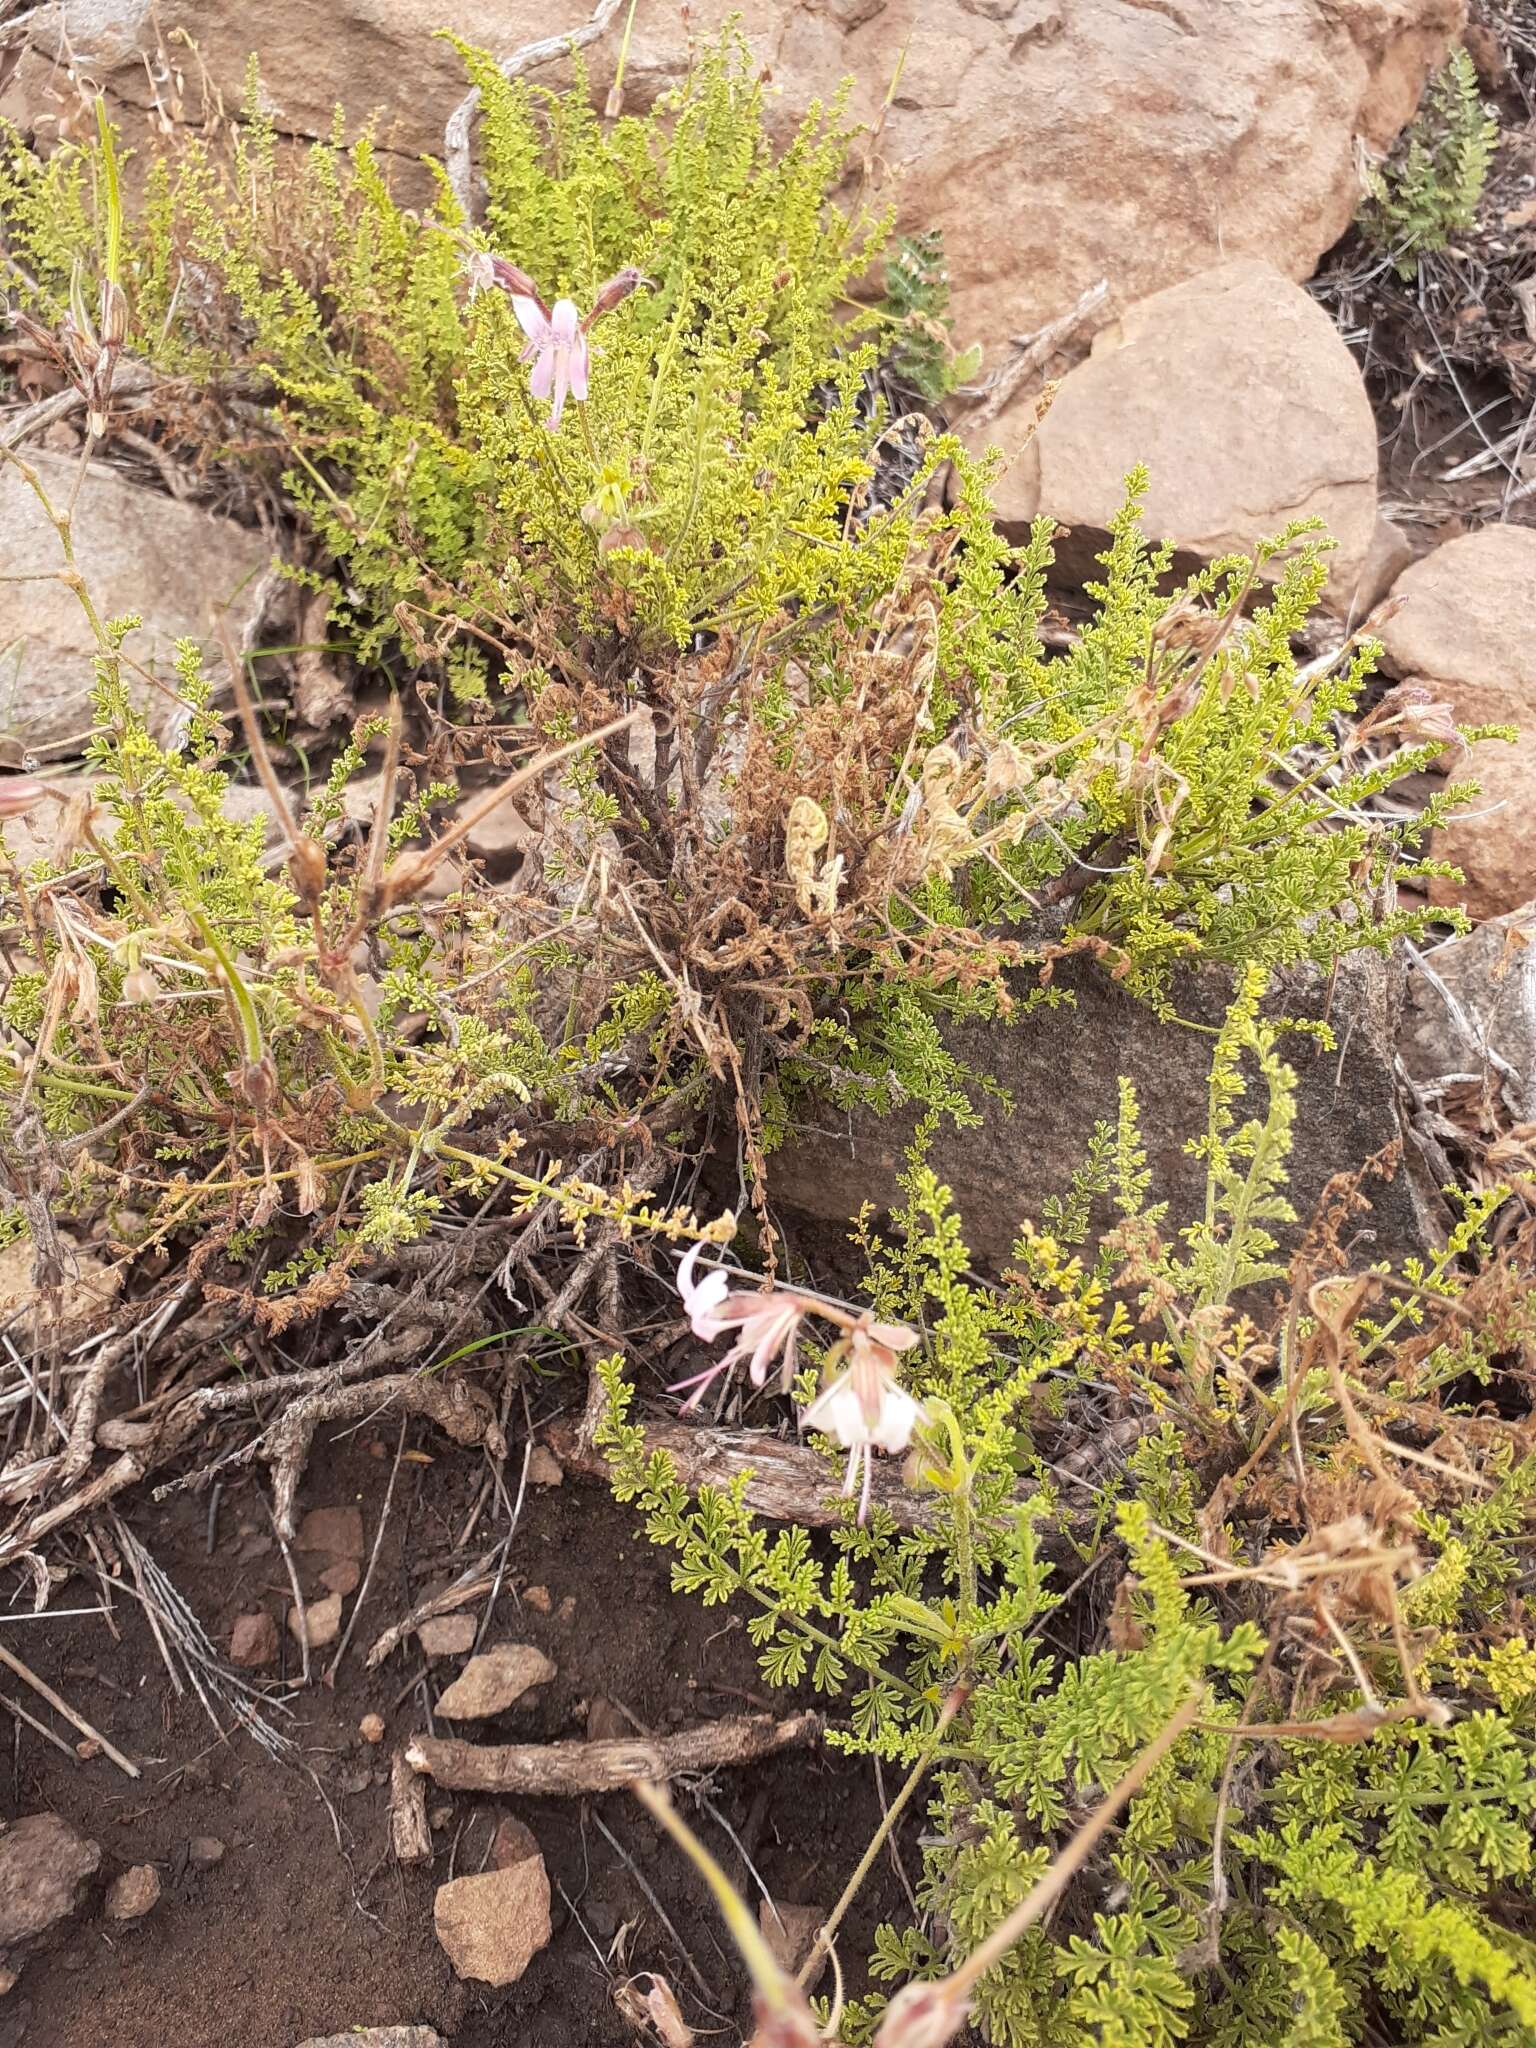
x: 553, y: 1770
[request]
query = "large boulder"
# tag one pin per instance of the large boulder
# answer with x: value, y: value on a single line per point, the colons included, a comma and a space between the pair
x: 1240, y: 395
x: 1464, y: 623
x: 1056, y: 141
x: 138, y: 551
x: 1001, y: 1172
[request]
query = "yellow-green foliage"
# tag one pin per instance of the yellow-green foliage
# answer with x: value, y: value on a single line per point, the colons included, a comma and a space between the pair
x: 721, y: 432
x: 178, y: 998
x: 1359, y: 1867
x: 710, y: 493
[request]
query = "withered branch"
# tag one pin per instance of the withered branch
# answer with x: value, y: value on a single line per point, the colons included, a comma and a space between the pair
x: 564, y: 1769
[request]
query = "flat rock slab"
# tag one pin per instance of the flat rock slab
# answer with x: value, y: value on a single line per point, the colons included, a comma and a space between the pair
x: 1062, y: 1069
x: 320, y: 1622
x: 43, y: 1863
x: 492, y: 1681
x: 253, y: 1641
x: 491, y: 1927
x: 139, y: 551
x: 446, y: 1635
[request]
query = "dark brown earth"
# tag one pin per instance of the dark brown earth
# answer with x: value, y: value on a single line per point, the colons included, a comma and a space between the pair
x: 307, y: 1926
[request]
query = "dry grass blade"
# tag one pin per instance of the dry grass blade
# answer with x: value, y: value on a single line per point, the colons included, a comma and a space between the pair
x: 62, y: 1706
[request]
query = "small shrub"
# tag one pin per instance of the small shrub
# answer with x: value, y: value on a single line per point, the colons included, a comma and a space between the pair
x: 916, y: 344
x: 1429, y: 189
x: 1317, y: 1526
x: 854, y: 791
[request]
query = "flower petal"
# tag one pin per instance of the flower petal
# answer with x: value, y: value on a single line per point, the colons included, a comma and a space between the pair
x: 899, y: 1416
x: 579, y: 367
x: 560, y: 357
x: 894, y: 1336
x: 530, y: 317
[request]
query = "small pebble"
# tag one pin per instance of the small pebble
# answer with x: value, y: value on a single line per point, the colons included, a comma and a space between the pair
x: 253, y: 1641
x: 544, y: 1468
x: 338, y: 1531
x: 134, y: 1894
x: 204, y: 1851
x: 371, y: 1728
x: 321, y: 1622
x: 538, y: 1599
x: 447, y: 1635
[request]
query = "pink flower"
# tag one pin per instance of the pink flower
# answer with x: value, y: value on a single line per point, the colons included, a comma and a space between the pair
x: 768, y: 1321
x: 557, y: 348
x: 866, y: 1408
x: 557, y: 339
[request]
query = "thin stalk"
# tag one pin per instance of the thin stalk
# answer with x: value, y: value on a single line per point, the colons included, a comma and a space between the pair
x: 828, y: 1928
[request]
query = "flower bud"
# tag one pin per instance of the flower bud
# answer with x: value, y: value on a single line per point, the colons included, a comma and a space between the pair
x: 923, y: 2016
x: 514, y: 282
x: 614, y: 292
x: 20, y: 794
x: 114, y: 315
x: 140, y: 986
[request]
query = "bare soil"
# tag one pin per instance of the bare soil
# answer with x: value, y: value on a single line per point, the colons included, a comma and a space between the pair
x: 307, y: 1926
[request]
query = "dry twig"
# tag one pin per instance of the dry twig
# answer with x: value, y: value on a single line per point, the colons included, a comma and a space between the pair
x: 547, y: 1770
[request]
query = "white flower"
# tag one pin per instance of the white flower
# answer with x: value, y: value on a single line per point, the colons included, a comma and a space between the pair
x: 768, y: 1321
x: 865, y: 1408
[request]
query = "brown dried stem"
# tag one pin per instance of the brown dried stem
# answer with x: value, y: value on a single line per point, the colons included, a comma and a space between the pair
x: 568, y: 1769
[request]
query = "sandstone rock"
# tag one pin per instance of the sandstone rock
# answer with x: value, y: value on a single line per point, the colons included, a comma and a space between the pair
x: 512, y: 1843
x: 343, y: 1577
x: 371, y: 1728
x: 544, y: 1468
x: 1390, y: 553
x: 491, y: 1927
x: 1239, y: 394
x: 446, y: 1635
x: 253, y: 1641
x: 380, y: 2037
x: 43, y: 1863
x: 337, y: 1531
x: 1472, y: 1010
x: 1466, y: 625
x: 134, y: 1894
x: 1150, y: 141
x: 1467, y: 614
x: 1003, y: 1170
x: 139, y: 551
x: 789, y: 1932
x: 205, y: 1852
x: 321, y: 1622
x: 490, y: 1682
